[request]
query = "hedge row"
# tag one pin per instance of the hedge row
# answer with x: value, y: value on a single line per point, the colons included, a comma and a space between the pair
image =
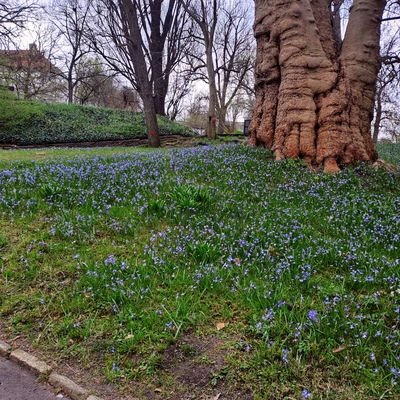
x: 30, y: 122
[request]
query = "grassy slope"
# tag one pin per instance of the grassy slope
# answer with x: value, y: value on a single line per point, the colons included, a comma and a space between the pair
x: 28, y: 122
x: 263, y: 280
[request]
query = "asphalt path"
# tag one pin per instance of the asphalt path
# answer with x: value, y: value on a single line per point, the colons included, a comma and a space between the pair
x: 17, y: 383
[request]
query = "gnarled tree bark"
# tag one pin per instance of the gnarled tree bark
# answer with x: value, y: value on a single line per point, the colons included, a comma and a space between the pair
x: 315, y: 99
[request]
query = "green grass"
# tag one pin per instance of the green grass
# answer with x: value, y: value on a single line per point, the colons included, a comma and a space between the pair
x: 262, y: 279
x: 10, y: 157
x: 390, y: 153
x: 34, y: 123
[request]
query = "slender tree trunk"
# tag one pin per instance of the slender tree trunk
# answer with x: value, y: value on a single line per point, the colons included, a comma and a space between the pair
x: 378, y: 115
x: 26, y: 86
x: 70, y: 91
x: 200, y: 11
x: 150, y: 114
x: 313, y: 101
x: 212, y: 104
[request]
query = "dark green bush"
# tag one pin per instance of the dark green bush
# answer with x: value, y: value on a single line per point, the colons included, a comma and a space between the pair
x: 15, y: 114
x: 29, y: 122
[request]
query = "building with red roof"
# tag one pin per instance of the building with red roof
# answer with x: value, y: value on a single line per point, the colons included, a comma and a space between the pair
x: 30, y: 74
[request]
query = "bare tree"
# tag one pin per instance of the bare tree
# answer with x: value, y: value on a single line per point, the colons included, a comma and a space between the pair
x: 127, y: 99
x: 242, y: 105
x: 98, y: 87
x: 120, y: 23
x: 166, y: 38
x: 196, y: 111
x: 180, y: 86
x: 71, y: 19
x: 13, y: 17
x: 387, y: 110
x: 224, y: 56
x: 234, y: 55
x: 205, y: 14
x: 315, y: 97
x: 387, y: 101
x: 392, y: 11
x: 142, y: 40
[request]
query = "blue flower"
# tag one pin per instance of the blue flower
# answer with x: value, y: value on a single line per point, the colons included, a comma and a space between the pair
x: 313, y: 316
x: 285, y: 354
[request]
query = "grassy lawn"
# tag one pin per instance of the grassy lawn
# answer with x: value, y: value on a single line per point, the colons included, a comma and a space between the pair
x: 8, y: 157
x: 180, y: 273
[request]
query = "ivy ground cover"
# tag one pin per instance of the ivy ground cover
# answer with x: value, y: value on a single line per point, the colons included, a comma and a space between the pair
x: 208, y: 271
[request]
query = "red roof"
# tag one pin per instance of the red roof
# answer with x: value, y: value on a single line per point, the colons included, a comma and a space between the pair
x: 31, y: 59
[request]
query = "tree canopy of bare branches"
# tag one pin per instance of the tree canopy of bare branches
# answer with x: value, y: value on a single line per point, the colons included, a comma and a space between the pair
x: 205, y: 14
x: 234, y: 54
x: 71, y: 20
x: 13, y: 17
x: 143, y: 41
x: 224, y: 56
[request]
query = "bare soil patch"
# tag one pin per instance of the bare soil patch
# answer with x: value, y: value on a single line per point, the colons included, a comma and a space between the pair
x: 195, y: 367
x: 199, y: 367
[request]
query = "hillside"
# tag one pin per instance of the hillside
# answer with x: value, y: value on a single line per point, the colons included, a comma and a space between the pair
x: 33, y: 123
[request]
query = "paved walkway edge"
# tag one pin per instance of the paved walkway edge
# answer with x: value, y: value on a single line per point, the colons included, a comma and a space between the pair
x: 70, y: 388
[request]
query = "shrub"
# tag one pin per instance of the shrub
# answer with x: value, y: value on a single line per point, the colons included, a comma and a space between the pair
x: 14, y: 113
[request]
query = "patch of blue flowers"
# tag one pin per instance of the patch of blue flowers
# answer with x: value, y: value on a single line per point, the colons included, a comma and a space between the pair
x: 312, y: 260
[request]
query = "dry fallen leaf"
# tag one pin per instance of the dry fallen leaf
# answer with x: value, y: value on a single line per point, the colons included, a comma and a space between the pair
x: 339, y: 349
x: 272, y: 251
x: 130, y: 336
x: 220, y: 325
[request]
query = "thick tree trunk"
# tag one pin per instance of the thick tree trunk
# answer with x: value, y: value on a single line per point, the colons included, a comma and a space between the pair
x: 150, y: 114
x: 135, y: 49
x: 151, y: 120
x: 222, y: 120
x: 313, y: 101
x: 160, y: 85
x: 157, y: 77
x: 156, y: 47
x: 159, y: 98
